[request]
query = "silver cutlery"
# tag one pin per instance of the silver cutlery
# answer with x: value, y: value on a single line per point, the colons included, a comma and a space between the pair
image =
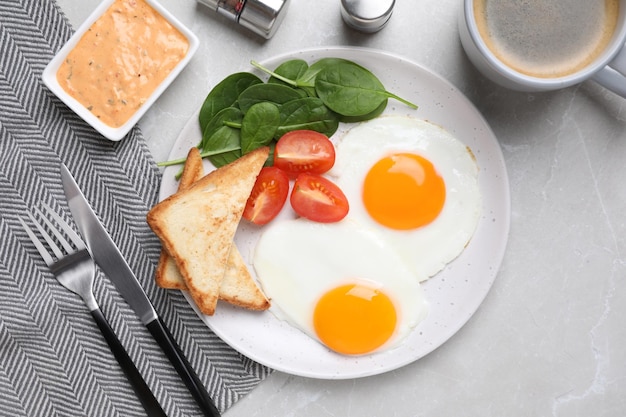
x: 109, y: 258
x: 74, y: 268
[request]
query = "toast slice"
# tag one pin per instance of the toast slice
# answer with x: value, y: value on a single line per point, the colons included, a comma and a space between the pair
x: 237, y: 287
x: 167, y: 274
x: 197, y: 225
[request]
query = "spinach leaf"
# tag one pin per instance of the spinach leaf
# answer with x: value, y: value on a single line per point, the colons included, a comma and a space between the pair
x: 369, y: 116
x: 258, y: 126
x: 308, y: 78
x: 225, y: 94
x: 220, y: 136
x: 222, y: 139
x: 242, y: 113
x: 344, y: 86
x: 351, y: 90
x: 294, y: 69
x: 258, y: 93
x: 306, y: 113
x: 296, y: 73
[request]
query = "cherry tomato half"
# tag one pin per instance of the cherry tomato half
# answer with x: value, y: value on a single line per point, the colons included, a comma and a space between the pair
x: 317, y: 198
x: 302, y: 151
x: 268, y: 196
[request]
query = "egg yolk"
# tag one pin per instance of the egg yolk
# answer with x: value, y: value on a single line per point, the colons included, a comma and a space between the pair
x: 403, y: 191
x: 354, y: 319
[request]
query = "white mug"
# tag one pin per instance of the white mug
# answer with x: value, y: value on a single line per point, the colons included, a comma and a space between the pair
x: 608, y: 68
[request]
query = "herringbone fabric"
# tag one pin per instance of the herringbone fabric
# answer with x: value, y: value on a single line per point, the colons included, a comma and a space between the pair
x: 53, y: 360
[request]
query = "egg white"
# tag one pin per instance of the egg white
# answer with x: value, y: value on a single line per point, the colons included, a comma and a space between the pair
x: 429, y: 248
x: 297, y: 261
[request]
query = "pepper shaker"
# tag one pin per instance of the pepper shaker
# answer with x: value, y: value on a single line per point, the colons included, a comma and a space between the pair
x: 260, y: 16
x: 366, y: 15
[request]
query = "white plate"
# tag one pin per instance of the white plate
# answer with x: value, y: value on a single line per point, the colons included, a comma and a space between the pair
x: 454, y: 294
x: 114, y: 133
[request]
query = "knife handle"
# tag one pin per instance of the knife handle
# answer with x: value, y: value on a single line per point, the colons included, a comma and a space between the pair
x: 165, y: 339
x: 149, y: 402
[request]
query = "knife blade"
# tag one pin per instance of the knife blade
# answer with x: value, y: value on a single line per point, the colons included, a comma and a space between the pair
x: 109, y: 258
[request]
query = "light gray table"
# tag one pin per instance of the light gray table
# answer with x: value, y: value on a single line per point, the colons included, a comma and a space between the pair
x: 550, y: 338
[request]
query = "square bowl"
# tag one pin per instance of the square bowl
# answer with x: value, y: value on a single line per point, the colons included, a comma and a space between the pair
x: 115, y: 133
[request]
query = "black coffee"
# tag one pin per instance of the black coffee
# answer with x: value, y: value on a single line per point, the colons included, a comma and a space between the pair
x: 546, y: 38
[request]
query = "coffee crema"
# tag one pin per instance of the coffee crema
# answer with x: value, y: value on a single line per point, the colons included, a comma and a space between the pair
x: 546, y: 38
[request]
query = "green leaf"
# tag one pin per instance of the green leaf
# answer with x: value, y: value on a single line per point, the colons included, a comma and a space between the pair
x: 351, y: 90
x: 308, y: 78
x: 294, y: 69
x: 273, y: 93
x: 306, y: 113
x: 225, y: 94
x: 222, y: 139
x: 369, y: 116
x: 220, y: 136
x: 258, y: 126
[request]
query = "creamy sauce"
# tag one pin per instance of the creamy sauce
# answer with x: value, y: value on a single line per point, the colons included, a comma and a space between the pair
x: 121, y: 60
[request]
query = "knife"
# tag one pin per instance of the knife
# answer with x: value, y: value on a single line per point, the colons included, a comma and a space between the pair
x: 109, y: 258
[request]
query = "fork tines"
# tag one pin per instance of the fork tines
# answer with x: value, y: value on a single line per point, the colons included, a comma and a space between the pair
x: 56, y: 250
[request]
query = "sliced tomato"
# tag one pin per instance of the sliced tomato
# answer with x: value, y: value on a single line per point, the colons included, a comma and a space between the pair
x: 302, y: 151
x: 319, y: 199
x: 268, y: 196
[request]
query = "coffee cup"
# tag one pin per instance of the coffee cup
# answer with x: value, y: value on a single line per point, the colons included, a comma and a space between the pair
x: 544, y: 45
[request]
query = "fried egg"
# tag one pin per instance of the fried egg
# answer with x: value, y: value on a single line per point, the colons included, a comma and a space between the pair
x: 339, y: 283
x: 415, y: 184
x: 414, y: 205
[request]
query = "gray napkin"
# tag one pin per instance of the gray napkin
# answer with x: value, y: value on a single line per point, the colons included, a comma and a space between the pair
x: 53, y: 359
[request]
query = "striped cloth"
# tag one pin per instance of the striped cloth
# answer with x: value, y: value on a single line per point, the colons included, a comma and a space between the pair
x: 53, y: 360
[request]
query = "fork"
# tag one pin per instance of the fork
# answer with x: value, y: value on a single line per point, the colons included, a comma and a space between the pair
x: 75, y: 269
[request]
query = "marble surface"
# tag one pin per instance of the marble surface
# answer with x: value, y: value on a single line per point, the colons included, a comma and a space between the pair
x: 549, y: 339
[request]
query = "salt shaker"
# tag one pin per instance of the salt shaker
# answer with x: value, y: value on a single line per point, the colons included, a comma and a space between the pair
x: 260, y: 16
x: 366, y: 15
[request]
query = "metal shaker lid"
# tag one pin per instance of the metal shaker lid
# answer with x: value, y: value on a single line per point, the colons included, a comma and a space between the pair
x: 366, y: 15
x: 263, y: 16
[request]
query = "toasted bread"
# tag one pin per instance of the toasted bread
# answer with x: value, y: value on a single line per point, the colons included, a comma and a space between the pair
x: 167, y: 274
x: 197, y: 225
x: 237, y: 287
